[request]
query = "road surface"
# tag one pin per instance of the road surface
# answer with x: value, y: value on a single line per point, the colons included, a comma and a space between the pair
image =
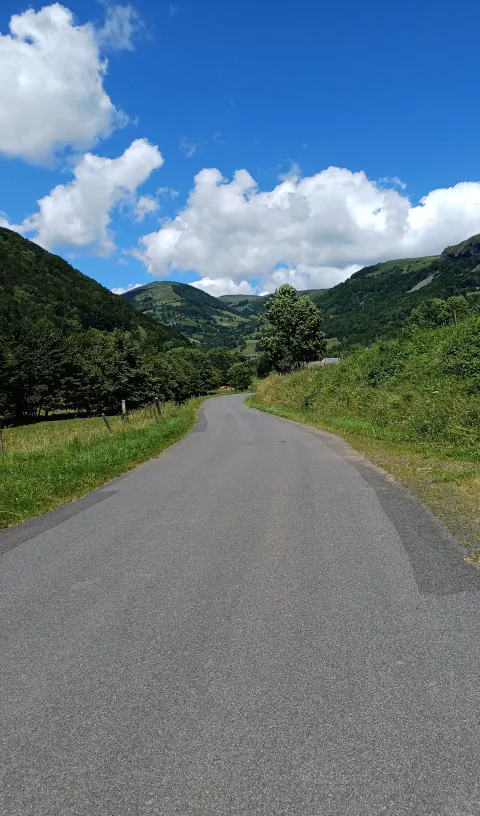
x: 257, y: 622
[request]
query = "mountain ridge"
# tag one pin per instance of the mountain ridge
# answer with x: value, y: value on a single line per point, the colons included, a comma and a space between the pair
x: 37, y: 282
x: 374, y: 302
x: 195, y: 313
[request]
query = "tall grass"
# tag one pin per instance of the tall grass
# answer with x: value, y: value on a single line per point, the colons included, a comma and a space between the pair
x: 412, y: 405
x: 423, y: 391
x: 50, y: 463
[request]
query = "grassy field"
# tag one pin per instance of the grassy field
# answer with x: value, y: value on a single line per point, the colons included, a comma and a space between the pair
x: 412, y: 406
x: 50, y: 463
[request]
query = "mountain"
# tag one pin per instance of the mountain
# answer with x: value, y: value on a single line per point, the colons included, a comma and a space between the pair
x: 376, y: 301
x: 249, y: 305
x: 373, y: 303
x: 245, y: 305
x: 207, y: 320
x: 36, y: 284
x: 466, y: 249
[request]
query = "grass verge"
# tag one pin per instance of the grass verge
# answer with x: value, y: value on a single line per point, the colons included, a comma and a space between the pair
x: 448, y: 485
x: 52, y: 463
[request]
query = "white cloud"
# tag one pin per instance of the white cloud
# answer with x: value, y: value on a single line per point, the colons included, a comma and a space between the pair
x: 51, y: 91
x: 315, y: 230
x: 224, y: 286
x: 144, y: 205
x: 78, y: 214
x: 120, y: 290
x: 122, y: 26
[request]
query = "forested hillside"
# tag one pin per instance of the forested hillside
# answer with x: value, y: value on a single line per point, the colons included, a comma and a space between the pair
x: 205, y: 319
x: 377, y: 301
x: 37, y: 284
x: 66, y: 341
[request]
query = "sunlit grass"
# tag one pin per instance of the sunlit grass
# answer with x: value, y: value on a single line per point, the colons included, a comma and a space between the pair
x: 50, y: 463
x: 425, y: 435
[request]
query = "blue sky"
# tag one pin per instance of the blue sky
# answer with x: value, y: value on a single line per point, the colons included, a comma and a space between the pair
x: 385, y: 94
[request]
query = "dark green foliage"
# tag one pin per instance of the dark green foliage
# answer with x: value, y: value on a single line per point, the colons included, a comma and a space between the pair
x: 437, y: 312
x: 222, y: 360
x: 430, y: 314
x: 291, y: 333
x: 376, y: 302
x: 68, y: 344
x: 36, y: 284
x: 240, y: 376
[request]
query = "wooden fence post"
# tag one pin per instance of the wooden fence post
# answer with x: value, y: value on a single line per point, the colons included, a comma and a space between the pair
x: 1, y: 440
x: 109, y: 430
x: 157, y: 407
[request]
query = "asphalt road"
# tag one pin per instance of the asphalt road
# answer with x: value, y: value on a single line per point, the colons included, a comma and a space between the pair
x: 257, y: 622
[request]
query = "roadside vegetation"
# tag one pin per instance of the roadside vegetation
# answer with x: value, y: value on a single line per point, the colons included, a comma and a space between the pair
x: 50, y: 463
x: 411, y: 404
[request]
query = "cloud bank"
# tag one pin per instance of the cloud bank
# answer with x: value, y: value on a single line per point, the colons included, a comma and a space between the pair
x: 313, y: 231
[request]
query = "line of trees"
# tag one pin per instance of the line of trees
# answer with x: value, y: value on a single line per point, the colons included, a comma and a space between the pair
x: 43, y: 369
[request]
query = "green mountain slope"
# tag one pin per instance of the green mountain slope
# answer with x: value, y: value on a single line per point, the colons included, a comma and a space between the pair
x: 376, y: 301
x: 36, y: 284
x: 206, y: 319
x: 373, y: 303
x: 245, y: 305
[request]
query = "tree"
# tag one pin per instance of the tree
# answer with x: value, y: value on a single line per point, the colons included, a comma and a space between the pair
x: 430, y: 314
x: 240, y: 376
x: 291, y: 331
x: 458, y: 306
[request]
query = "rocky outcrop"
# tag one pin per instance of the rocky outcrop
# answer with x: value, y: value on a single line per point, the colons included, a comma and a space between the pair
x: 466, y: 249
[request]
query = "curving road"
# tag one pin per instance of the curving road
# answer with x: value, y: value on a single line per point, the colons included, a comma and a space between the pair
x: 257, y: 622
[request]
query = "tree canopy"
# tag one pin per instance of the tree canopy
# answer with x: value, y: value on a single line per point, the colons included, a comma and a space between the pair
x: 291, y: 333
x: 68, y: 344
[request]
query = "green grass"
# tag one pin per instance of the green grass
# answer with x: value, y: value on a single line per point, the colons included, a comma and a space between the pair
x: 51, y: 463
x: 412, y: 406
x: 250, y: 346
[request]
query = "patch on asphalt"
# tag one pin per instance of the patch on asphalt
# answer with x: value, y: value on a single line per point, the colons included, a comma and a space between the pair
x: 14, y: 536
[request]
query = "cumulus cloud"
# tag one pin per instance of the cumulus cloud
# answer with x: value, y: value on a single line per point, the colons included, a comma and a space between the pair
x: 224, y: 286
x: 313, y: 231
x: 51, y: 93
x: 78, y: 214
x: 120, y: 290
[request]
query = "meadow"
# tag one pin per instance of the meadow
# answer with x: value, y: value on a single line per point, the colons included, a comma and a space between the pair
x: 49, y: 463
